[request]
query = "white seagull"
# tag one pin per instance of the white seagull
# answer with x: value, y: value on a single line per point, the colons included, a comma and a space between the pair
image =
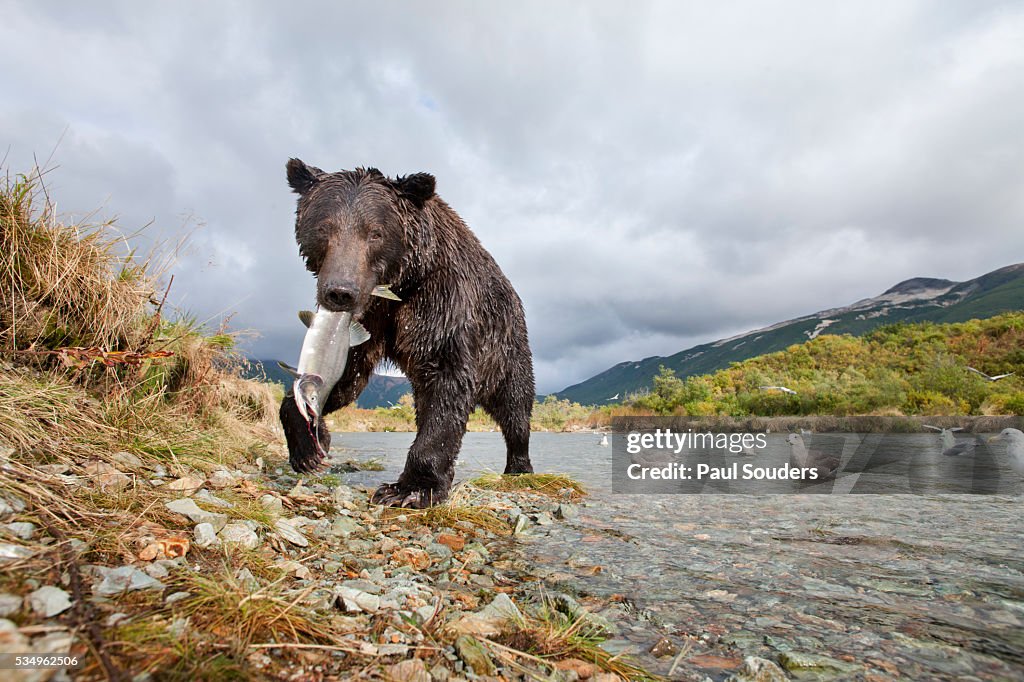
x: 826, y: 465
x: 987, y: 377
x: 604, y: 440
x: 950, y: 448
x: 1014, y: 439
x: 778, y: 388
x: 614, y: 397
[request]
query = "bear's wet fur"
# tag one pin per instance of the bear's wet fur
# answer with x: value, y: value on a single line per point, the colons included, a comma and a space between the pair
x: 458, y: 333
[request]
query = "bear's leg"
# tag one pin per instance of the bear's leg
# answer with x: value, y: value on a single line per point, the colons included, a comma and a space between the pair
x: 442, y: 411
x: 511, y: 408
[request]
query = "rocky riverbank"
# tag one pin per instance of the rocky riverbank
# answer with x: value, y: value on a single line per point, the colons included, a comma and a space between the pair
x: 255, y: 573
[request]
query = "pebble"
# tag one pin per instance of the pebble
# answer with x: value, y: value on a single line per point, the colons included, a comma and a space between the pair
x: 272, y: 504
x: 9, y: 552
x: 124, y: 579
x: 49, y: 601
x: 205, y: 536
x: 239, y: 535
x: 106, y: 477
x: 176, y: 597
x: 286, y: 530
x: 187, y: 507
x: 353, y: 600
x: 186, y: 484
x: 9, y: 604
x: 222, y: 479
x: 127, y: 460
x: 204, y: 495
x: 21, y: 529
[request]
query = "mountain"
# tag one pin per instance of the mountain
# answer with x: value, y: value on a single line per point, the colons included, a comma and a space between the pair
x: 380, y: 391
x: 919, y: 299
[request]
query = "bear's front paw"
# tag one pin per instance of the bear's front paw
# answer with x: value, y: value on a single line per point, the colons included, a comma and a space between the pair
x: 397, y: 495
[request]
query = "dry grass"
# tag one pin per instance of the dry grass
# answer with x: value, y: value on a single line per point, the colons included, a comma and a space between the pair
x: 558, y: 486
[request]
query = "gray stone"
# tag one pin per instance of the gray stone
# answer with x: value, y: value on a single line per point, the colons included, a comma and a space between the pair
x: 9, y: 552
x: 475, y: 656
x: 247, y: 579
x: 222, y: 479
x: 48, y: 601
x: 21, y: 529
x: 127, y: 460
x: 9, y: 604
x: 156, y: 570
x: 176, y: 597
x: 239, y: 535
x: 344, y: 526
x: 758, y: 670
x: 566, y: 511
x: 356, y: 600
x: 272, y: 504
x: 544, y: 519
x: 186, y: 506
x: 287, y: 530
x: 125, y: 579
x: 438, y: 551
x: 205, y: 536
x: 205, y: 495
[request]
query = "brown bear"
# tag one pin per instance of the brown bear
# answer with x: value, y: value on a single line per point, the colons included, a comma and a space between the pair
x: 458, y: 332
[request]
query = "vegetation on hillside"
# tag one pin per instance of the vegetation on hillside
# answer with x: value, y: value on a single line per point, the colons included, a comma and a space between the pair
x: 913, y: 369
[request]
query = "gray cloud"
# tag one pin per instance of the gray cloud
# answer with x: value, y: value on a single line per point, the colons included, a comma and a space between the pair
x: 650, y: 176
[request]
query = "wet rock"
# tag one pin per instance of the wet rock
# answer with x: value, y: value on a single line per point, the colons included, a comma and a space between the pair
x: 412, y: 670
x: 544, y: 519
x: 205, y: 536
x: 9, y: 604
x: 9, y: 552
x: 186, y: 506
x: 455, y: 543
x: 239, y: 535
x: 521, y: 524
x: 415, y: 557
x: 489, y: 621
x: 797, y: 660
x: 21, y: 529
x: 474, y: 655
x: 566, y: 511
x: 124, y: 579
x: 756, y: 669
x: 204, y: 495
x: 49, y: 601
x: 186, y: 484
x: 222, y: 479
x: 664, y: 647
x: 287, y: 530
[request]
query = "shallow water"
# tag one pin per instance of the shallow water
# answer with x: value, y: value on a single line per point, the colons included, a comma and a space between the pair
x: 920, y: 586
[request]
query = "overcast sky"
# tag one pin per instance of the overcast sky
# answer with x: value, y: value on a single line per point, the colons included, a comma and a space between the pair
x: 649, y: 176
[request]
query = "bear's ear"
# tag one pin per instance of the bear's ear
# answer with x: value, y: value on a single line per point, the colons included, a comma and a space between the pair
x: 301, y: 177
x: 417, y: 187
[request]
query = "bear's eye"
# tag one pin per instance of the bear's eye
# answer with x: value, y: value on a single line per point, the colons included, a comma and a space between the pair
x: 376, y: 234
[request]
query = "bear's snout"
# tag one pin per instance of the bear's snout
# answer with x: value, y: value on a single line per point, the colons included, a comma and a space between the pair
x: 340, y: 296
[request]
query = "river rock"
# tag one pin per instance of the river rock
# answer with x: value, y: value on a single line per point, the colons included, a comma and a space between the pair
x: 287, y: 530
x: 412, y: 670
x: 9, y: 552
x: 21, y: 529
x: 456, y: 543
x: 353, y: 600
x: 797, y: 660
x: 272, y: 504
x: 186, y: 484
x: 124, y: 579
x: 566, y: 511
x: 186, y: 506
x: 204, y: 495
x: 206, y: 536
x: 222, y: 479
x: 239, y: 535
x: 127, y: 460
x: 758, y: 670
x: 48, y: 601
x: 106, y: 477
x: 9, y: 604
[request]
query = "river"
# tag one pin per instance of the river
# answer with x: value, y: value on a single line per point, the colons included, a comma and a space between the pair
x: 923, y: 586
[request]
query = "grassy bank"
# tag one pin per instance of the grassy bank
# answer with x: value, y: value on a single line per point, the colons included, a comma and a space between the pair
x: 148, y: 523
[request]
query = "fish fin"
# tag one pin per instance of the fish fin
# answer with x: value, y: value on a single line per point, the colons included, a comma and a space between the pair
x: 357, y: 334
x: 307, y: 317
x: 384, y: 291
x: 288, y: 368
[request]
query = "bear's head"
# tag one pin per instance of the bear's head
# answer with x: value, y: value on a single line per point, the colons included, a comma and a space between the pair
x: 355, y: 229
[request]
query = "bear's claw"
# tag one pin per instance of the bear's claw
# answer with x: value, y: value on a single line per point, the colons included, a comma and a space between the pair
x: 395, y: 495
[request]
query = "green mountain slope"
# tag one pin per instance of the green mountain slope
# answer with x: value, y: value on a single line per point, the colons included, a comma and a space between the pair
x: 914, y: 300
